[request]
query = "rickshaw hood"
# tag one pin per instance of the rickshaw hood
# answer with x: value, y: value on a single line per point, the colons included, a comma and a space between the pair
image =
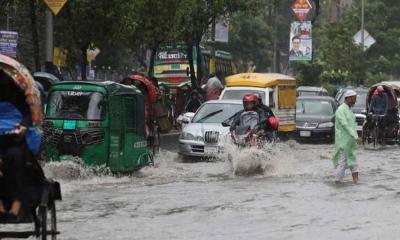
x: 24, y: 80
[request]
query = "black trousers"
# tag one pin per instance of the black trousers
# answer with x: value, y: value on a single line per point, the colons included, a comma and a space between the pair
x: 20, y: 170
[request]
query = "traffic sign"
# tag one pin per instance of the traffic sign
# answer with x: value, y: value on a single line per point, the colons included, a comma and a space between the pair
x: 301, y: 8
x: 55, y: 5
x: 368, y: 39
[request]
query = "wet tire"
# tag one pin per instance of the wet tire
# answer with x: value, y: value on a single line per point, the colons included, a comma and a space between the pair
x: 53, y: 222
x: 156, y: 142
x: 375, y: 136
x: 43, y: 222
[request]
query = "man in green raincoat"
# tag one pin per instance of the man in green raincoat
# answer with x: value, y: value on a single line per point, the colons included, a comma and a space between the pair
x: 346, y: 138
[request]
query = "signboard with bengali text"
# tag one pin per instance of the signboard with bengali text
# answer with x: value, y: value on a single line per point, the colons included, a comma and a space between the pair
x: 8, y: 43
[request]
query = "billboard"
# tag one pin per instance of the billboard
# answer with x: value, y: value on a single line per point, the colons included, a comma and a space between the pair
x: 8, y: 43
x: 300, y: 41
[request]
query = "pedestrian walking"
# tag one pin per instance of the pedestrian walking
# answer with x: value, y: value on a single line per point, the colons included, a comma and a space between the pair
x: 346, y: 139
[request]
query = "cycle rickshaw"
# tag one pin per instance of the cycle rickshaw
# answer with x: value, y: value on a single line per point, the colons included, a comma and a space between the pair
x: 383, y: 129
x: 38, y: 199
x: 152, y: 123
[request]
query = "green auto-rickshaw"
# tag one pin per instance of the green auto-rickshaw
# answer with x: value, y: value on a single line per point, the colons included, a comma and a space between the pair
x: 100, y: 122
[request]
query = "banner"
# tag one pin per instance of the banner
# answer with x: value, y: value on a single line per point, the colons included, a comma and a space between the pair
x: 60, y: 57
x: 8, y: 43
x: 300, y: 41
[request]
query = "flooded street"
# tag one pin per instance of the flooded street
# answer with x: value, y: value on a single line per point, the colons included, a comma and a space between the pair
x: 294, y: 199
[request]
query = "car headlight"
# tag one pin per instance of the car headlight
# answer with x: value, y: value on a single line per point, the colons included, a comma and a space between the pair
x: 189, y: 136
x: 326, y: 125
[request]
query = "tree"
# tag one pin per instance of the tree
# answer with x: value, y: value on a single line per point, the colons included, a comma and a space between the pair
x: 194, y: 20
x: 155, y: 26
x: 83, y: 23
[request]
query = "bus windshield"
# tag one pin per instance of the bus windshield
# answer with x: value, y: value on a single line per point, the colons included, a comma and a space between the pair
x: 75, y: 105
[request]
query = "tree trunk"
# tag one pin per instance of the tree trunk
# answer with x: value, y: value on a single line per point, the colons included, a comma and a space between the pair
x: 84, y: 62
x: 151, y: 66
x: 191, y: 65
x: 199, y: 64
x: 35, y: 37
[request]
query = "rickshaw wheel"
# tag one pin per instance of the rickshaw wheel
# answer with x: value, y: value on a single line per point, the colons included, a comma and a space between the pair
x: 53, y: 219
x: 156, y: 142
x: 43, y: 222
x: 375, y: 136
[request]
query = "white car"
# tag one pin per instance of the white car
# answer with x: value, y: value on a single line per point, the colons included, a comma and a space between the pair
x: 202, y: 136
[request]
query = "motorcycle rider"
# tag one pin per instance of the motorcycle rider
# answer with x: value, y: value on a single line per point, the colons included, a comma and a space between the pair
x: 266, y: 119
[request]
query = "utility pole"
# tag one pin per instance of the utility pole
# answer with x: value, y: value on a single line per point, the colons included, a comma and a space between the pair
x: 362, y: 23
x: 276, y: 53
x: 212, y: 67
x: 49, y: 41
x: 8, y: 16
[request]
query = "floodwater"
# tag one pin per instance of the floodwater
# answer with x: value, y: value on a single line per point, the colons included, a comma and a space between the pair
x: 294, y: 198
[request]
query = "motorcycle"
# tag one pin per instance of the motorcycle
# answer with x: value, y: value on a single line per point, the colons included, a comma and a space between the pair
x: 251, y: 133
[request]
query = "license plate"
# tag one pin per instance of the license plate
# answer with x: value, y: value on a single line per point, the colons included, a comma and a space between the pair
x: 211, y: 150
x: 305, y: 134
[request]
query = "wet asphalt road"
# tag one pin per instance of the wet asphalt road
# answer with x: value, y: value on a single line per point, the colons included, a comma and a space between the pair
x: 295, y: 197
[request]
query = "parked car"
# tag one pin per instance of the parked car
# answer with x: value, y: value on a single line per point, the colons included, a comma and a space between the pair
x: 315, y: 117
x: 311, y: 91
x: 360, y: 108
x: 202, y: 136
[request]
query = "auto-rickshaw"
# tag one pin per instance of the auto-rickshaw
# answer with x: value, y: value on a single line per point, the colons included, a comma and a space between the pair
x: 100, y: 122
x: 38, y: 201
x: 277, y: 91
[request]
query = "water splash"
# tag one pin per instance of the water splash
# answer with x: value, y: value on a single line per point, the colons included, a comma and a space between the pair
x: 247, y: 161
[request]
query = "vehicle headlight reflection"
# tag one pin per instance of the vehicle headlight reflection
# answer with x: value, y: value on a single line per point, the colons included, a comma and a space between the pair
x: 325, y: 125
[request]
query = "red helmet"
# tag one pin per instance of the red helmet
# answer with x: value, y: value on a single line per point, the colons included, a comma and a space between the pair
x: 273, y: 123
x: 250, y: 102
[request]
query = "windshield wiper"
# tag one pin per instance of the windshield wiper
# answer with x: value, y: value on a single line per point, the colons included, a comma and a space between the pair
x: 210, y: 115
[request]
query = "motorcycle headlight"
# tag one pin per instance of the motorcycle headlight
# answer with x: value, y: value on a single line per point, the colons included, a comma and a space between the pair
x: 326, y: 125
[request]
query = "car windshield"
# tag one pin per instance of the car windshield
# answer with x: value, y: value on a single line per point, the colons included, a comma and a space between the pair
x: 216, y: 112
x: 75, y: 105
x: 308, y: 93
x: 239, y: 94
x: 361, y: 100
x: 314, y: 107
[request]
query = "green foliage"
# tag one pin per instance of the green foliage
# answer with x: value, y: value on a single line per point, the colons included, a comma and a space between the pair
x: 343, y: 62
